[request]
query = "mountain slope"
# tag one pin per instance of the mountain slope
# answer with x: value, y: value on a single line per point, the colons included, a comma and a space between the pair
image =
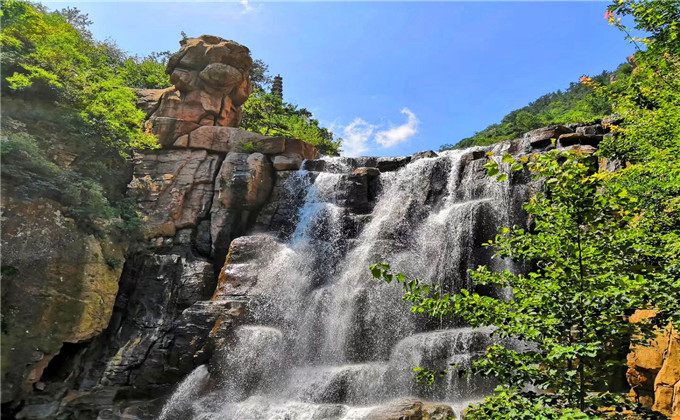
x: 578, y: 103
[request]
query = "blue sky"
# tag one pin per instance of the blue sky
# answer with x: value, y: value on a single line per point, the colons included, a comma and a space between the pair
x: 391, y: 78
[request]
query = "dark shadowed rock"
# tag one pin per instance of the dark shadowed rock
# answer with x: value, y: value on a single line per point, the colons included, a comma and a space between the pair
x: 543, y: 136
x: 316, y: 165
x: 421, y: 155
x: 287, y: 162
x: 388, y: 164
x: 571, y: 139
x: 615, y: 119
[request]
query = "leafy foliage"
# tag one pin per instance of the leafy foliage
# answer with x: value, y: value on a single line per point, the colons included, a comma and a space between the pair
x: 45, y: 54
x: 37, y: 159
x: 573, y: 307
x: 147, y: 72
x: 266, y: 113
x: 648, y: 141
x: 70, y: 116
x: 259, y: 76
x: 523, y: 406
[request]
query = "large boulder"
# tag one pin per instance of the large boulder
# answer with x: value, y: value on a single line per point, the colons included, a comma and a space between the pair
x: 242, y: 187
x: 229, y: 139
x: 542, y: 137
x: 210, y: 78
x: 244, y: 181
x: 59, y: 285
x: 411, y: 409
x: 247, y: 256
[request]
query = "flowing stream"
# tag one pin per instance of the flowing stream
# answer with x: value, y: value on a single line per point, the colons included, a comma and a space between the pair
x: 326, y: 341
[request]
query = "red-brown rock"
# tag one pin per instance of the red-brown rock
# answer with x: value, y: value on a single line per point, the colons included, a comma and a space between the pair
x: 654, y: 369
x: 173, y: 188
x: 211, y: 81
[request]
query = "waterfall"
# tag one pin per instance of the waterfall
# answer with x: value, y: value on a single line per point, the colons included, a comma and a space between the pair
x: 179, y: 404
x: 323, y: 339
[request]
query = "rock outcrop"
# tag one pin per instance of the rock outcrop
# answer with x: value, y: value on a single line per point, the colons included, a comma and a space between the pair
x: 209, y: 183
x: 654, y: 370
x: 210, y: 83
x: 59, y: 286
x: 205, y: 198
x: 411, y: 409
x: 80, y: 329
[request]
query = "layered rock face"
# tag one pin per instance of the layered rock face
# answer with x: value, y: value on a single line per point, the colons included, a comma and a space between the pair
x: 207, y: 185
x: 211, y: 178
x: 654, y: 370
x: 320, y: 339
x: 59, y: 286
x: 207, y: 195
x: 219, y: 194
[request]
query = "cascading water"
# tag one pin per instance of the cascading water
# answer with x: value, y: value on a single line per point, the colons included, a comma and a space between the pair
x: 326, y: 341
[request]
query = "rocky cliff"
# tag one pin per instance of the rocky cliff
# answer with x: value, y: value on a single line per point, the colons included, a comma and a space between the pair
x: 177, y: 306
x: 79, y: 328
x: 229, y: 216
x: 59, y: 287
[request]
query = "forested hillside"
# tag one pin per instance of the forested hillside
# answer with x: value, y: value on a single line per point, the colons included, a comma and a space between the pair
x: 578, y: 103
x: 69, y: 116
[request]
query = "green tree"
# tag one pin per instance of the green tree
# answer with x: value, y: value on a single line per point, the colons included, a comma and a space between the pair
x: 648, y: 140
x: 43, y: 53
x: 147, y: 72
x: 69, y: 114
x: 573, y: 306
x: 259, y: 75
x: 267, y: 114
x: 525, y: 121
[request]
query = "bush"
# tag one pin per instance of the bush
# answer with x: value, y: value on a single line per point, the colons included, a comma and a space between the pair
x: 21, y: 151
x: 42, y: 51
x: 265, y: 113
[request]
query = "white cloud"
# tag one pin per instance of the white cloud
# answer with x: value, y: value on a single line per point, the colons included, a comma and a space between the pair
x: 361, y: 137
x: 247, y: 8
x: 399, y: 134
x: 355, y: 138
